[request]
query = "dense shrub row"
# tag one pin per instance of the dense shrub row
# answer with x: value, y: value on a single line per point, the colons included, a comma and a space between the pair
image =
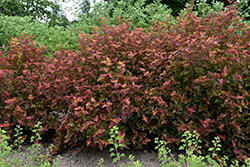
x: 193, y: 75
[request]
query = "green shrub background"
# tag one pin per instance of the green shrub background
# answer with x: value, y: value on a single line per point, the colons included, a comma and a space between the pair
x: 51, y: 37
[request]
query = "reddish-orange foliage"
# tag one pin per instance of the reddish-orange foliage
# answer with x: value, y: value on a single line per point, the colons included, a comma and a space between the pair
x: 191, y: 76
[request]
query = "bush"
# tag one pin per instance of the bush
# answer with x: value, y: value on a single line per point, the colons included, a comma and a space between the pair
x: 14, y: 27
x: 192, y: 75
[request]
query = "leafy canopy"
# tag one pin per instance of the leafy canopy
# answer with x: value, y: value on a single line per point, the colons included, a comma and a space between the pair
x: 37, y: 9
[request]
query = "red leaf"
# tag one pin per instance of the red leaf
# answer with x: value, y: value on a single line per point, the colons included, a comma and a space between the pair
x: 79, y: 99
x: 224, y: 74
x: 221, y: 126
x: 83, y: 127
x: 173, y: 93
x: 236, y: 125
x: 234, y: 144
x: 24, y: 137
x: 88, y: 142
x: 237, y: 152
x: 67, y: 139
x: 10, y: 100
x: 211, y: 53
x: 6, y: 124
x: 101, y: 131
x: 63, y: 121
x: 67, y: 127
x: 181, y: 127
x: 21, y: 122
x: 105, y: 105
x: 223, y: 115
x: 207, y: 121
x: 238, y: 77
x: 117, y: 120
x: 96, y: 118
x: 245, y: 157
x: 191, y: 109
x: 204, y: 124
x: 103, y: 117
x: 223, y: 137
x: 234, y: 51
x: 217, y: 76
x: 127, y: 100
x: 154, y: 112
x: 44, y: 128
x: 145, y: 118
x: 30, y: 117
x: 146, y: 141
x: 77, y: 108
x: 167, y: 83
x: 229, y: 44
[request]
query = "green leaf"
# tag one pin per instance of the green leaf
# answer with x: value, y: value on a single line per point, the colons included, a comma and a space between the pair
x: 210, y: 149
x: 121, y: 145
x: 114, y: 160
x: 181, y: 148
x: 116, y: 145
x: 112, y: 154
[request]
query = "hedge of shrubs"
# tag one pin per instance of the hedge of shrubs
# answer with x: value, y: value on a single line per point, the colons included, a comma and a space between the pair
x: 191, y: 75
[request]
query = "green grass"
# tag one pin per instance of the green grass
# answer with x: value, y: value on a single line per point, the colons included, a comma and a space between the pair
x: 189, y: 159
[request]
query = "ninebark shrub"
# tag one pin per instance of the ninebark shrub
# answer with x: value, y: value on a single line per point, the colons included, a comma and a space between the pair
x: 190, y: 76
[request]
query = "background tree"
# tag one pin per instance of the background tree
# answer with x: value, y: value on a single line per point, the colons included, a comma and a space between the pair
x: 84, y: 7
x: 243, y: 6
x: 81, y: 8
x: 37, y: 9
x: 177, y: 5
x: 61, y: 19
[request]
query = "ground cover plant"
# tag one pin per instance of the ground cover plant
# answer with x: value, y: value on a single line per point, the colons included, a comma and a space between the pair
x: 7, y: 150
x: 189, y: 76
